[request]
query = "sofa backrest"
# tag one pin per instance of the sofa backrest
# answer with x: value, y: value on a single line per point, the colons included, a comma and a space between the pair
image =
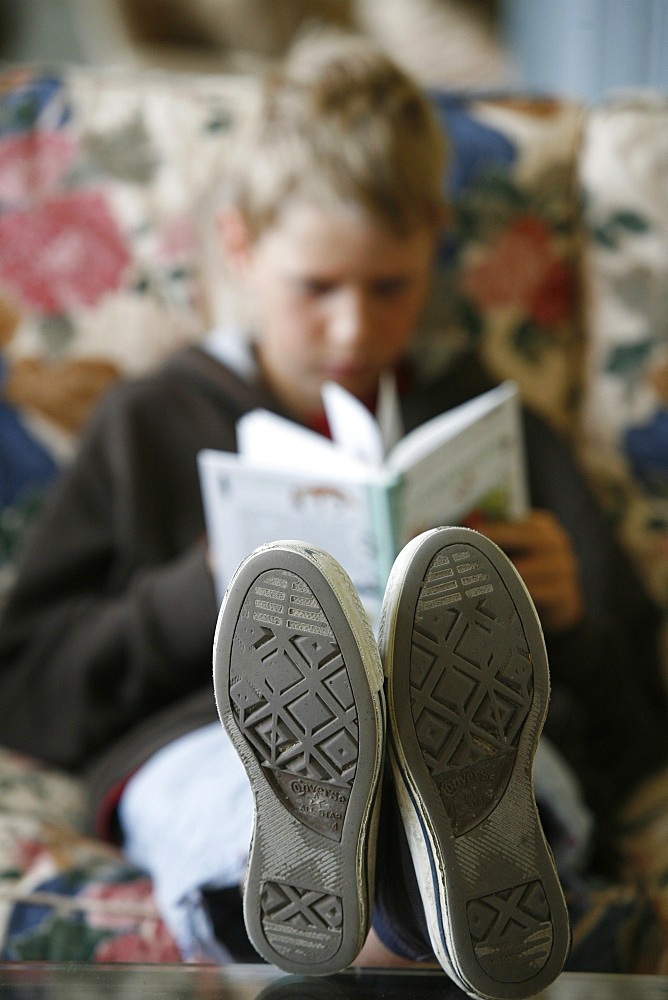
x: 106, y: 265
x: 624, y: 178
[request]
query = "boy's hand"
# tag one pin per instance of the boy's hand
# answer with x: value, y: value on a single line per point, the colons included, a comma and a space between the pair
x: 542, y: 553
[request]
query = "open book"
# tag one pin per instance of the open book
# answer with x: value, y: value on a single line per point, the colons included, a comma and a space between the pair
x: 349, y: 496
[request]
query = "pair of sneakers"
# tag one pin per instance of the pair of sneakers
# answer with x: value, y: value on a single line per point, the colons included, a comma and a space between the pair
x: 460, y: 673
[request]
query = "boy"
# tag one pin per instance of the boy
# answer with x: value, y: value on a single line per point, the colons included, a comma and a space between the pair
x: 333, y: 211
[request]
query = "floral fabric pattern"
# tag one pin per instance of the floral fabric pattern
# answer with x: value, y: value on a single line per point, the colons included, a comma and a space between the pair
x: 507, y: 278
x: 63, y: 896
x: 68, y: 254
x: 624, y: 161
x: 101, y: 267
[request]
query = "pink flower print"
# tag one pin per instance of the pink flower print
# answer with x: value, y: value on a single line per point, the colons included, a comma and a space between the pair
x: 122, y: 904
x: 552, y: 303
x: 522, y: 269
x: 156, y: 946
x: 176, y: 241
x: 32, y: 165
x: 28, y: 853
x: 129, y: 909
x: 65, y: 253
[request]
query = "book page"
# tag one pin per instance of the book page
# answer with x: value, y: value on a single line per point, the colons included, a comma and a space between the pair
x: 354, y: 428
x: 246, y: 506
x: 471, y: 466
x: 358, y: 439
x: 427, y: 437
x: 352, y: 425
x: 266, y: 438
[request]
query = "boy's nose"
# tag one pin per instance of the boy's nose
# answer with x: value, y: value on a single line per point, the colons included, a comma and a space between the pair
x: 350, y: 321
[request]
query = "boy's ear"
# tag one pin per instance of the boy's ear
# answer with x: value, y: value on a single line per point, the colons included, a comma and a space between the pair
x: 235, y: 239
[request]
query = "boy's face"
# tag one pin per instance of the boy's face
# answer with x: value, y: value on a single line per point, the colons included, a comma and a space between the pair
x: 339, y: 298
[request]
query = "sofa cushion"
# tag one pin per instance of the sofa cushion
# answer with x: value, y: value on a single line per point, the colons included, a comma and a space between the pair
x: 624, y: 165
x: 64, y: 896
x: 101, y: 268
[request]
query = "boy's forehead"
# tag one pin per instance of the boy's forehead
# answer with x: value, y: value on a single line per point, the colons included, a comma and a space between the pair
x: 315, y: 232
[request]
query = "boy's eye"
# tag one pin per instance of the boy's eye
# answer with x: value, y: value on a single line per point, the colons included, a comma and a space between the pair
x: 380, y: 287
x: 387, y: 287
x: 316, y: 286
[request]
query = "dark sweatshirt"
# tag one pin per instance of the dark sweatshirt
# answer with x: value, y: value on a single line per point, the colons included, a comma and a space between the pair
x: 106, y: 638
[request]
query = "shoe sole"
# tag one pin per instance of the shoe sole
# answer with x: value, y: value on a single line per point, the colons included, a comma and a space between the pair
x: 299, y: 689
x: 467, y: 694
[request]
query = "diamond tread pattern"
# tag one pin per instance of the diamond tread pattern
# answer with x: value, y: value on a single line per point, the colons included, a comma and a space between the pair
x: 294, y: 704
x: 471, y: 686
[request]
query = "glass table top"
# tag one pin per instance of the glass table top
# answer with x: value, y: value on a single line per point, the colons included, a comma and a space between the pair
x: 70, y: 981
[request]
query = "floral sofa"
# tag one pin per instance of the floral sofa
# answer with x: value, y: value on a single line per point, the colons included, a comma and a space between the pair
x: 556, y: 267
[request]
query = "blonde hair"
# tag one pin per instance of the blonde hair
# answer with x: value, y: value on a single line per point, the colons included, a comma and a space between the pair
x: 340, y: 125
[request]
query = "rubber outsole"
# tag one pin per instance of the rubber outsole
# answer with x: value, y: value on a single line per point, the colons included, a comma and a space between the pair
x: 298, y: 684
x: 467, y: 690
